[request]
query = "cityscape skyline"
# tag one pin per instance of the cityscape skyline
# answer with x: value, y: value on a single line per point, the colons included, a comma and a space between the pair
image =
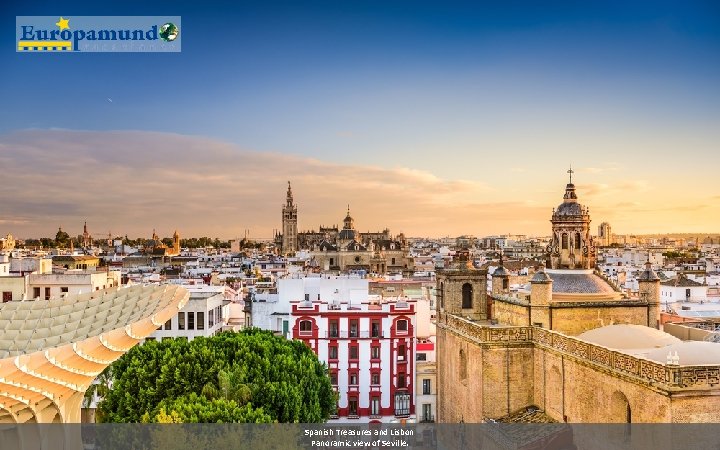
x: 433, y: 121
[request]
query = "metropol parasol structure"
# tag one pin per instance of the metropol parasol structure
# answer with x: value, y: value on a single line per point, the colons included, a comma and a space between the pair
x: 51, y: 351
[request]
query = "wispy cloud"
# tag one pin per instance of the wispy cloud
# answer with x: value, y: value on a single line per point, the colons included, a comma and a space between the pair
x: 132, y: 182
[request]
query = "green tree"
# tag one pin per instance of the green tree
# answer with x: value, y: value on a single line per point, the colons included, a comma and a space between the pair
x: 234, y: 377
x: 62, y: 238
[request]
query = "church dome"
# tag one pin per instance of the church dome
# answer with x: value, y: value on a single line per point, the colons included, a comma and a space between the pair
x: 629, y: 337
x: 691, y: 353
x: 569, y: 209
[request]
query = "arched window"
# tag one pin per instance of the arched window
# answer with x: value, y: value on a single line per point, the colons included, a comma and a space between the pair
x: 578, y: 240
x: 305, y: 327
x: 467, y: 294
x: 564, y: 241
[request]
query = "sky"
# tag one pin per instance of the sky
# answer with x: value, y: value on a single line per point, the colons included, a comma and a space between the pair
x: 430, y: 118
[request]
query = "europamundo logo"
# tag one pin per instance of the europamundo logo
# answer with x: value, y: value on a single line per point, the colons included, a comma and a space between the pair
x: 97, y: 34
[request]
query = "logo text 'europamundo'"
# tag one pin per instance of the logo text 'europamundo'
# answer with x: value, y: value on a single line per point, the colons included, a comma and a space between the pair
x: 97, y: 34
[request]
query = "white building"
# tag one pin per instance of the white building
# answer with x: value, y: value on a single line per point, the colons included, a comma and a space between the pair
x: 204, y: 314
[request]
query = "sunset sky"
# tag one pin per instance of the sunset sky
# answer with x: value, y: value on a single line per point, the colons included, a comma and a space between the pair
x: 430, y: 118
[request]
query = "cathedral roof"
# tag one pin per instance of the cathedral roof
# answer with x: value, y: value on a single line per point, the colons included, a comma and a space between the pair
x: 356, y: 246
x: 346, y: 234
x: 327, y: 246
x: 628, y: 337
x: 578, y: 282
x: 569, y: 209
x: 691, y: 353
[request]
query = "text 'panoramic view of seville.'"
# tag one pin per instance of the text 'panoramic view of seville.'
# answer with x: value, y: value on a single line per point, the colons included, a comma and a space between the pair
x: 380, y: 222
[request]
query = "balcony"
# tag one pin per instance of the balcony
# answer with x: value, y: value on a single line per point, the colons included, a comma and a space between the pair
x: 344, y: 334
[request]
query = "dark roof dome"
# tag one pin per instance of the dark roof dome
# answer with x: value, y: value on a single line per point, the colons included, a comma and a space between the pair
x: 500, y: 272
x: 347, y: 234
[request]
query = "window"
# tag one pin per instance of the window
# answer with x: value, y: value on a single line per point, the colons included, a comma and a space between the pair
x: 392, y: 262
x: 333, y: 378
x: 687, y: 293
x: 375, y: 328
x: 307, y: 297
x: 421, y: 357
x: 353, y: 328
x: 168, y: 324
x: 374, y: 406
x: 353, y: 379
x: 402, y: 404
x: 402, y: 326
x: 375, y: 352
x: 64, y: 289
x: 564, y: 240
x: 211, y: 316
x: 201, y: 320
x: 191, y: 320
x: 333, y: 352
x: 352, y: 406
x: 467, y: 294
x: 305, y: 327
x: 426, y: 386
x: 332, y: 261
x: 36, y: 292
x: 401, y: 352
x: 181, y: 321
x: 427, y: 412
x: 353, y: 352
x: 7, y: 296
x: 47, y: 293
x: 334, y: 329
x: 401, y: 380
x: 578, y: 240
x: 375, y: 378
x: 505, y: 283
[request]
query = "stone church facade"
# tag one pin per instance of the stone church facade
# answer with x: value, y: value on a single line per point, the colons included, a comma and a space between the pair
x: 500, y: 352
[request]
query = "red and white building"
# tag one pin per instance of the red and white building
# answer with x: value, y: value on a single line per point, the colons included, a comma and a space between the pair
x: 369, y: 348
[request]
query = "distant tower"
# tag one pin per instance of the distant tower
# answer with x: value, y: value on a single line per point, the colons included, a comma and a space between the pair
x: 571, y: 247
x: 176, y: 243
x: 289, y: 224
x: 86, y: 238
x: 604, y: 234
x: 348, y: 222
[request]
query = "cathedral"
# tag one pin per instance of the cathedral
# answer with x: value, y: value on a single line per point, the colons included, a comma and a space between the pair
x: 343, y: 249
x: 568, y: 345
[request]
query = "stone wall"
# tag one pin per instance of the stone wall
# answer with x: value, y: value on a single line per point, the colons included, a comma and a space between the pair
x: 511, y: 312
x: 578, y: 319
x: 489, y: 372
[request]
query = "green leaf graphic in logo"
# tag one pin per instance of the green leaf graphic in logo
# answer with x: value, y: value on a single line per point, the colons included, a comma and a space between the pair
x: 169, y: 32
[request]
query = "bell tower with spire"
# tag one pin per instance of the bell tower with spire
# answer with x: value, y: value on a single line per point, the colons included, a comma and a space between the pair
x: 289, y: 224
x: 572, y: 246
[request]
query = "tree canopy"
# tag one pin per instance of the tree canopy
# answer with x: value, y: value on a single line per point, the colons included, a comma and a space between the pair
x: 252, y: 376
